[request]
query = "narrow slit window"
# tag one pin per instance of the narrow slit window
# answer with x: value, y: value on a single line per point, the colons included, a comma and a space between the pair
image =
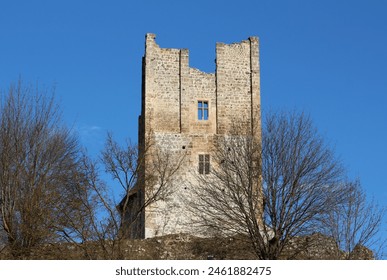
x: 203, y: 110
x: 204, y: 164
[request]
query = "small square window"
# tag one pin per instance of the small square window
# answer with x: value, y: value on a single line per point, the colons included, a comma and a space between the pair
x: 203, y: 110
x: 204, y: 164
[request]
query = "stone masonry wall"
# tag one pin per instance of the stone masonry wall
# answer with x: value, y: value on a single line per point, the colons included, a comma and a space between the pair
x: 237, y: 83
x: 171, y: 91
x: 162, y: 87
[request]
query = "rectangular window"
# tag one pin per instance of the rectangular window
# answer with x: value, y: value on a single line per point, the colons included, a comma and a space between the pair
x: 203, y: 110
x: 204, y: 164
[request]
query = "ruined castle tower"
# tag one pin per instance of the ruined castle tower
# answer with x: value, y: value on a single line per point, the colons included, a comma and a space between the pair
x: 183, y: 111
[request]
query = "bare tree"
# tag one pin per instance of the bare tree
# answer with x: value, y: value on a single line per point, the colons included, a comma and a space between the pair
x: 50, y: 190
x: 354, y: 223
x: 95, y: 229
x: 39, y: 170
x: 101, y: 228
x: 269, y: 191
x: 146, y: 176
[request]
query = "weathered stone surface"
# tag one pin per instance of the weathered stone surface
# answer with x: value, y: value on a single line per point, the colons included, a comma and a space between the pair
x: 188, y: 247
x: 169, y: 117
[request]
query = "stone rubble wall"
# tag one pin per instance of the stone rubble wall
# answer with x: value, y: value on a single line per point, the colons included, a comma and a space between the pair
x: 171, y: 91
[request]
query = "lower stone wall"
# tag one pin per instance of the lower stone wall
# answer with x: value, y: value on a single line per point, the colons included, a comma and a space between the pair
x: 188, y: 247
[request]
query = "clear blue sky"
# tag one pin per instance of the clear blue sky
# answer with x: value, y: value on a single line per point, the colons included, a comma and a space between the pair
x: 328, y: 58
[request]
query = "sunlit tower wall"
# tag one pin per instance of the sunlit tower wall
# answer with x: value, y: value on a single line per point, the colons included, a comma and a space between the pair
x: 184, y: 111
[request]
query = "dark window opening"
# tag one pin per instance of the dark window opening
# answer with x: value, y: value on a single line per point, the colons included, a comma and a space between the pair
x: 204, y: 164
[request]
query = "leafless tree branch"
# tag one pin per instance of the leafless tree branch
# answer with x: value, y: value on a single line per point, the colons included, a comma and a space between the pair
x: 270, y: 189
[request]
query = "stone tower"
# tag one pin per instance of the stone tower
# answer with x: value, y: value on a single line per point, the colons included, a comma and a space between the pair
x: 184, y: 110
